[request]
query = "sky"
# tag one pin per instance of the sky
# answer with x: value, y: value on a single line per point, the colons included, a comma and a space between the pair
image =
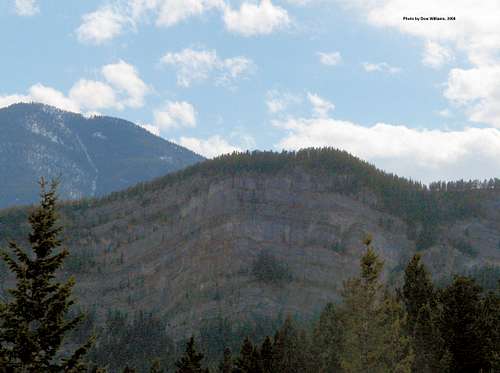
x: 415, y: 96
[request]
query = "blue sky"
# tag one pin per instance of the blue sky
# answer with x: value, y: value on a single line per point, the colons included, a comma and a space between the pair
x: 420, y: 98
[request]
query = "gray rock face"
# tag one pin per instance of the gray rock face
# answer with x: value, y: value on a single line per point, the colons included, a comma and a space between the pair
x: 186, y: 250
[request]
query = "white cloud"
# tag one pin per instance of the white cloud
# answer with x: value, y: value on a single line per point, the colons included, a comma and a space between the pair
x: 426, y: 155
x: 382, y: 67
x: 93, y: 95
x: 175, y: 114
x: 26, y: 7
x: 210, y: 148
x: 320, y: 106
x: 475, y: 33
x: 256, y: 19
x: 7, y: 100
x: 125, y: 89
x: 435, y: 55
x: 199, y: 65
x: 124, y: 77
x: 53, y: 97
x: 330, y: 59
x: 478, y: 91
x: 173, y: 11
x: 102, y: 25
x: 278, y: 102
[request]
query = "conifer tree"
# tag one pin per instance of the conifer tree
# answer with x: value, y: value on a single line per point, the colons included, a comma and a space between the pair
x: 190, y: 362
x: 460, y: 326
x: 372, y: 323
x: 421, y: 304
x: 289, y: 349
x: 327, y: 341
x: 34, y: 322
x: 249, y: 359
x: 266, y: 355
x: 226, y: 365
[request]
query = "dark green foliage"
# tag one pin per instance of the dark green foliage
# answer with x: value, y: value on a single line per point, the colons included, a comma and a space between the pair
x: 461, y: 326
x: 249, y: 360
x: 191, y: 361
x: 421, y: 304
x: 267, y: 269
x: 226, y: 365
x: 266, y: 355
x: 33, y: 322
x: 327, y: 340
x: 134, y: 342
x: 290, y: 349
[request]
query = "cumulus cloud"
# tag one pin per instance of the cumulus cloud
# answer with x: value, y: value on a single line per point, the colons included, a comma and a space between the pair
x: 435, y: 55
x: 175, y: 114
x: 256, y: 19
x: 109, y: 21
x: 278, y: 102
x: 51, y: 96
x: 381, y: 67
x: 102, y: 25
x: 198, y: 65
x: 124, y: 88
x: 124, y: 77
x: 475, y: 33
x: 93, y: 95
x: 330, y: 59
x: 320, y: 106
x: 426, y: 155
x: 210, y: 147
x: 26, y: 7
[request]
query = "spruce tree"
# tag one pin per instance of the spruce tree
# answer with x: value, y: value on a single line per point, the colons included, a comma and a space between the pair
x: 266, y: 355
x: 226, y: 365
x: 34, y: 322
x: 421, y: 304
x: 190, y: 362
x: 373, y: 339
x: 249, y: 359
x: 327, y: 341
x: 460, y: 326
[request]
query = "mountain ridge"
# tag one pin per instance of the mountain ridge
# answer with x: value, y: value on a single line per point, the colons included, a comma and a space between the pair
x: 94, y: 155
x: 187, y: 246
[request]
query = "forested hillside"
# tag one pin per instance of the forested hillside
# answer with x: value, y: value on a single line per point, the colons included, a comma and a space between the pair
x: 232, y: 246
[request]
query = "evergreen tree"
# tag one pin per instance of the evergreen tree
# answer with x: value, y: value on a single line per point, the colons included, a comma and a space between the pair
x: 289, y: 350
x: 226, y: 365
x: 34, y: 323
x: 249, y: 359
x: 461, y: 320
x: 190, y: 362
x: 266, y: 355
x: 156, y: 367
x: 372, y: 323
x: 420, y: 301
x: 327, y: 341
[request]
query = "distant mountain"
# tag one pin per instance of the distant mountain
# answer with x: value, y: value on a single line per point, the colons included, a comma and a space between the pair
x: 93, y: 156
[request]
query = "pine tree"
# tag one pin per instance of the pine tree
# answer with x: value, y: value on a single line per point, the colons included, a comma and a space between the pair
x: 327, y: 341
x: 421, y: 304
x: 372, y: 323
x: 290, y: 349
x: 190, y: 362
x: 226, y: 365
x: 266, y: 355
x: 460, y: 326
x: 249, y: 359
x: 34, y: 322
